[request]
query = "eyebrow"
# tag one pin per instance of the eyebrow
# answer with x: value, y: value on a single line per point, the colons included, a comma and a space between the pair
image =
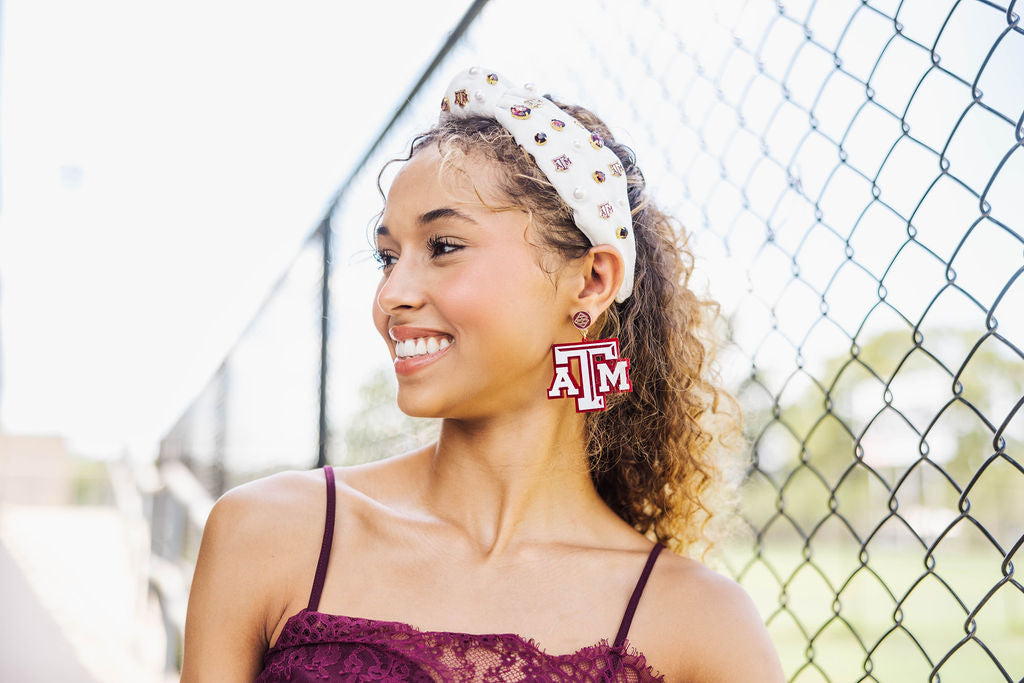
x: 443, y: 213
x: 432, y: 216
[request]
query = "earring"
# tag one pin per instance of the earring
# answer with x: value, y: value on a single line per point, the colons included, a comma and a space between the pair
x: 601, y: 371
x: 581, y: 321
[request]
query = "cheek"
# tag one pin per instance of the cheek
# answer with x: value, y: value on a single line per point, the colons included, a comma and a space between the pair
x: 380, y: 320
x: 491, y: 285
x: 508, y: 296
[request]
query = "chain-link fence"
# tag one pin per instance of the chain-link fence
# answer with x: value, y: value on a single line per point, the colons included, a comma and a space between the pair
x: 852, y: 173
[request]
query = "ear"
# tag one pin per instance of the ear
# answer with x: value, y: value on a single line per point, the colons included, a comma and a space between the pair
x: 602, y: 272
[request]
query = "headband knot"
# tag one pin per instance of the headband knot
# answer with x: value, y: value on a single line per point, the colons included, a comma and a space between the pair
x: 588, y: 176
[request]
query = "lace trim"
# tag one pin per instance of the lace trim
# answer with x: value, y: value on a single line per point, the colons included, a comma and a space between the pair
x: 390, y: 651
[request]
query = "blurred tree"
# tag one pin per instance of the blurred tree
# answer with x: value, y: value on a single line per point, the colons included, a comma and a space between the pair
x: 892, y: 425
x: 379, y: 429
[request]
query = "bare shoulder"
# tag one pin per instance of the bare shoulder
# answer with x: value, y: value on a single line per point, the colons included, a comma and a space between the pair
x: 395, y: 476
x: 272, y: 490
x: 275, y: 522
x: 713, y: 625
x: 255, y: 541
x: 264, y: 519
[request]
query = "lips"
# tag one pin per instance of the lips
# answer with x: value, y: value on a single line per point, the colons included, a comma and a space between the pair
x: 411, y: 364
x: 404, y: 332
x: 418, y: 347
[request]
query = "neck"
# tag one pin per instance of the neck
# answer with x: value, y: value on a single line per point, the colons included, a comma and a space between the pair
x: 514, y: 478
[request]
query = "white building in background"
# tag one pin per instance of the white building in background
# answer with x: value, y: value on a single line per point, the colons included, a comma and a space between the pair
x: 35, y: 470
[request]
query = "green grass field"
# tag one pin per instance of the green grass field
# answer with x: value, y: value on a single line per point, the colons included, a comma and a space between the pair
x: 822, y: 638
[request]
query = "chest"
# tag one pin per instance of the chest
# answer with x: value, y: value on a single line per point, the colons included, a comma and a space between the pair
x: 562, y: 607
x: 558, y: 600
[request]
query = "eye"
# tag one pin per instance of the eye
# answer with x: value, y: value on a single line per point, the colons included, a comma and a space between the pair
x: 440, y: 246
x: 384, y: 257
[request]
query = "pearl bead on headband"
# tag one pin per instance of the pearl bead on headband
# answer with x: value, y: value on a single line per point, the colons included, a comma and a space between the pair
x: 588, y: 176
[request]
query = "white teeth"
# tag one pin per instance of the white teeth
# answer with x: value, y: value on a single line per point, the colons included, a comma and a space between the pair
x: 421, y: 346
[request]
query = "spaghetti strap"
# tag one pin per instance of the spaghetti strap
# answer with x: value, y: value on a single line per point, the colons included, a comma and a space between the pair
x: 634, y: 600
x: 325, y: 547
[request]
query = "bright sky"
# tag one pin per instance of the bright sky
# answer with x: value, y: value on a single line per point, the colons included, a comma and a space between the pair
x: 160, y: 165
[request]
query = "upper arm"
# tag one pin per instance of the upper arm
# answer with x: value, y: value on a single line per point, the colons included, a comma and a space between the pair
x: 225, y: 627
x: 737, y: 645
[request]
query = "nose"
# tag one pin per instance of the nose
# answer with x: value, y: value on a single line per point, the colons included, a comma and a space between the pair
x: 400, y: 289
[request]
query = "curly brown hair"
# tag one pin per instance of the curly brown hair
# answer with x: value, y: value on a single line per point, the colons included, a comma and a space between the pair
x: 659, y: 456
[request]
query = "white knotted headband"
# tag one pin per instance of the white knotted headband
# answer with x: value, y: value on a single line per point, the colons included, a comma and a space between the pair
x: 588, y: 176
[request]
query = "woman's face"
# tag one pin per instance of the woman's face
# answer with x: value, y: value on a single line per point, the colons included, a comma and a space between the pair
x: 461, y: 282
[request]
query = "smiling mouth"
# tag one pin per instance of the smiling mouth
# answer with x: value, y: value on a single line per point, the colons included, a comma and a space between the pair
x: 422, y: 346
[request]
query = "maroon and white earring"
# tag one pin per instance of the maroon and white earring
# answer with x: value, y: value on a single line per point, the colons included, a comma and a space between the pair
x: 581, y: 321
x: 601, y: 371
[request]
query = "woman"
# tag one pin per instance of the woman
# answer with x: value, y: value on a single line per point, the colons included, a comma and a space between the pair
x: 534, y: 299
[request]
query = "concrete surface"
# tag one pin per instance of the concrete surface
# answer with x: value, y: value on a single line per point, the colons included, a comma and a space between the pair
x: 33, y: 647
x: 73, y: 598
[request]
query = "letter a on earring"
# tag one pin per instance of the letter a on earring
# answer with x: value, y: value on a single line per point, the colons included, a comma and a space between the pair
x: 601, y: 371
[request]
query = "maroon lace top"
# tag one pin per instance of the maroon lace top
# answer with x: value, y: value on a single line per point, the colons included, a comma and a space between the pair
x: 314, y: 646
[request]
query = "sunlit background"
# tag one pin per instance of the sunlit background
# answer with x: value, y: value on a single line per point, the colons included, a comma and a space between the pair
x: 171, y: 178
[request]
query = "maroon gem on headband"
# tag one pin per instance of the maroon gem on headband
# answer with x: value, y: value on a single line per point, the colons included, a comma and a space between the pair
x: 461, y: 97
x: 520, y: 112
x: 540, y: 138
x: 562, y: 162
x: 557, y: 125
x: 605, y: 209
x: 622, y: 233
x: 444, y: 104
x: 598, y: 177
x: 492, y: 78
x: 581, y: 320
x: 595, y: 141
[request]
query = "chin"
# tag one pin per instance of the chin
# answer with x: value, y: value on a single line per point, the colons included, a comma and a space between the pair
x: 419, y: 406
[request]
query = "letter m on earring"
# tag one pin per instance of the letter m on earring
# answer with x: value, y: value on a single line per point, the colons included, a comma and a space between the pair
x: 612, y: 375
